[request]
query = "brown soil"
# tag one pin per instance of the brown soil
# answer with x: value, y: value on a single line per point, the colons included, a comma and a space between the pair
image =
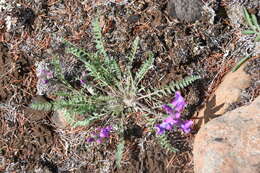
x: 29, y: 141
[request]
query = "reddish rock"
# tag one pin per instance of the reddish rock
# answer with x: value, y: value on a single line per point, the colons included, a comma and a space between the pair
x: 228, y: 92
x: 230, y: 143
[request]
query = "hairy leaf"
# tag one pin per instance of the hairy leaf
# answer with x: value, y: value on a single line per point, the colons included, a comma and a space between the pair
x: 119, y: 152
x: 144, y: 69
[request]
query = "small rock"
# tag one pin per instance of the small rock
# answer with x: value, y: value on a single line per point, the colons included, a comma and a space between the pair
x: 185, y: 10
x: 230, y: 143
x: 59, y: 119
x: 133, y: 18
x: 228, y: 92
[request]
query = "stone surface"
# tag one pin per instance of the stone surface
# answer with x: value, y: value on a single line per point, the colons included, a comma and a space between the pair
x: 230, y: 143
x: 59, y: 119
x: 185, y: 10
x: 227, y: 93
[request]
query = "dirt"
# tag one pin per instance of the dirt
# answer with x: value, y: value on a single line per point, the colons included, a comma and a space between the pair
x: 32, y: 31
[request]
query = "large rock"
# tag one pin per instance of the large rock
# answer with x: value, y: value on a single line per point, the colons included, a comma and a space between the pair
x: 230, y: 143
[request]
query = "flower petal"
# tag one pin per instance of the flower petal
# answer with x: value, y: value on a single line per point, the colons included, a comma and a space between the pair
x: 89, y: 140
x: 170, y: 120
x: 177, y: 115
x: 166, y: 125
x: 99, y: 140
x: 159, y: 130
x: 82, y: 82
x: 178, y: 102
x: 45, y: 81
x: 49, y: 75
x: 185, y: 126
x: 105, y: 132
x: 167, y: 109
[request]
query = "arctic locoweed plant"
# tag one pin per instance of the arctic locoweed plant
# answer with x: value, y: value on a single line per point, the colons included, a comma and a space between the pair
x: 121, y: 88
x: 113, y: 91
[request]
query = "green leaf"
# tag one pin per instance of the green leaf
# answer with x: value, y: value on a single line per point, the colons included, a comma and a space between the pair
x: 45, y: 106
x: 257, y: 38
x: 248, y: 32
x: 165, y: 143
x: 119, y: 152
x: 144, y: 69
x: 241, y: 62
x: 116, y: 69
x: 170, y: 88
x: 99, y: 39
x: 248, y: 18
x: 133, y: 51
x: 87, y: 121
x: 80, y: 53
x: 255, y: 23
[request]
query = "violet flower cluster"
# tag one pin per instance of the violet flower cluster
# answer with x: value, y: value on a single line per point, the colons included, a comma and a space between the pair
x: 174, y: 110
x: 98, y: 137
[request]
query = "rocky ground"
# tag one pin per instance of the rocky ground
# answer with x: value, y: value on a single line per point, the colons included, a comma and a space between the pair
x: 186, y: 37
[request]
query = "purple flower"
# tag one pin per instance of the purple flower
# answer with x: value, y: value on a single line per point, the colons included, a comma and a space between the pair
x: 168, y: 109
x: 105, y: 132
x: 178, y: 102
x: 91, y: 139
x: 45, y: 75
x: 174, y: 119
x: 49, y: 75
x: 171, y: 121
x: 185, y: 126
x: 45, y: 81
x: 82, y: 82
x: 43, y: 71
x: 159, y: 129
x: 171, y: 111
x: 97, y: 137
x: 177, y: 105
x: 99, y: 140
x: 167, y: 124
